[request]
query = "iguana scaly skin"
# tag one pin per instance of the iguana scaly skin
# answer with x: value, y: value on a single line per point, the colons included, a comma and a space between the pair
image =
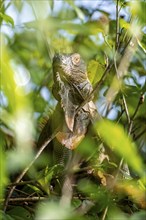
x: 71, y: 87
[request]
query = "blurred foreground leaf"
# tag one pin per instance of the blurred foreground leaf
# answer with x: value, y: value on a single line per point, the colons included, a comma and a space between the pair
x: 19, y: 110
x: 53, y: 210
x: 115, y: 137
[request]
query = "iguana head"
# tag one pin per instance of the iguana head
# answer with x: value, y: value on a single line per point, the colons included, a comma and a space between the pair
x: 71, y: 67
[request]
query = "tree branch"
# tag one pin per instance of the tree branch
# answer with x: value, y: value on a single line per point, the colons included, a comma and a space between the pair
x: 27, y: 199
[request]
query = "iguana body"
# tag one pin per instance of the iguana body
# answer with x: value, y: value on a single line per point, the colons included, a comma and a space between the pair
x: 71, y: 88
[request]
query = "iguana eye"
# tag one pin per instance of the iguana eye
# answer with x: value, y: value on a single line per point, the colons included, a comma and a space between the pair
x: 76, y: 59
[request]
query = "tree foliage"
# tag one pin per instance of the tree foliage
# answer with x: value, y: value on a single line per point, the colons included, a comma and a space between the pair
x: 110, y: 36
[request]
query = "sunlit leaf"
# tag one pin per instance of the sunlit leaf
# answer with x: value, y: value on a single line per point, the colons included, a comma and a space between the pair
x: 124, y: 24
x: 115, y: 137
x: 79, y: 12
x: 7, y: 18
x: 20, y: 114
x: 96, y: 26
x: 133, y: 191
x: 95, y: 71
x: 19, y: 5
x: 137, y: 10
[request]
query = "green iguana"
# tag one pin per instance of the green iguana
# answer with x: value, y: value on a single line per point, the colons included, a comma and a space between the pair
x: 71, y: 87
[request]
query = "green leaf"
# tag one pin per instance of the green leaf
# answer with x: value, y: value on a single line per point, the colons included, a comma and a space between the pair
x: 95, y: 193
x: 116, y: 138
x: 20, y: 213
x: 7, y: 18
x: 18, y: 5
x: 51, y: 3
x: 137, y: 9
x: 78, y: 11
x: 3, y: 173
x: 124, y: 24
x: 95, y: 71
x: 138, y: 215
x: 3, y: 215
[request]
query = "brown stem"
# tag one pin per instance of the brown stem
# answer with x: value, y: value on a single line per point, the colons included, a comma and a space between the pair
x: 21, y: 183
x: 28, y: 199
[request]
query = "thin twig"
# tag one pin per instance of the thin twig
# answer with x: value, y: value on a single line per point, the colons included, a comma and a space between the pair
x: 22, y: 183
x: 126, y: 109
x: 117, y: 25
x: 120, y: 116
x: 27, y: 199
x: 105, y: 212
x: 139, y: 135
x: 28, y: 167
